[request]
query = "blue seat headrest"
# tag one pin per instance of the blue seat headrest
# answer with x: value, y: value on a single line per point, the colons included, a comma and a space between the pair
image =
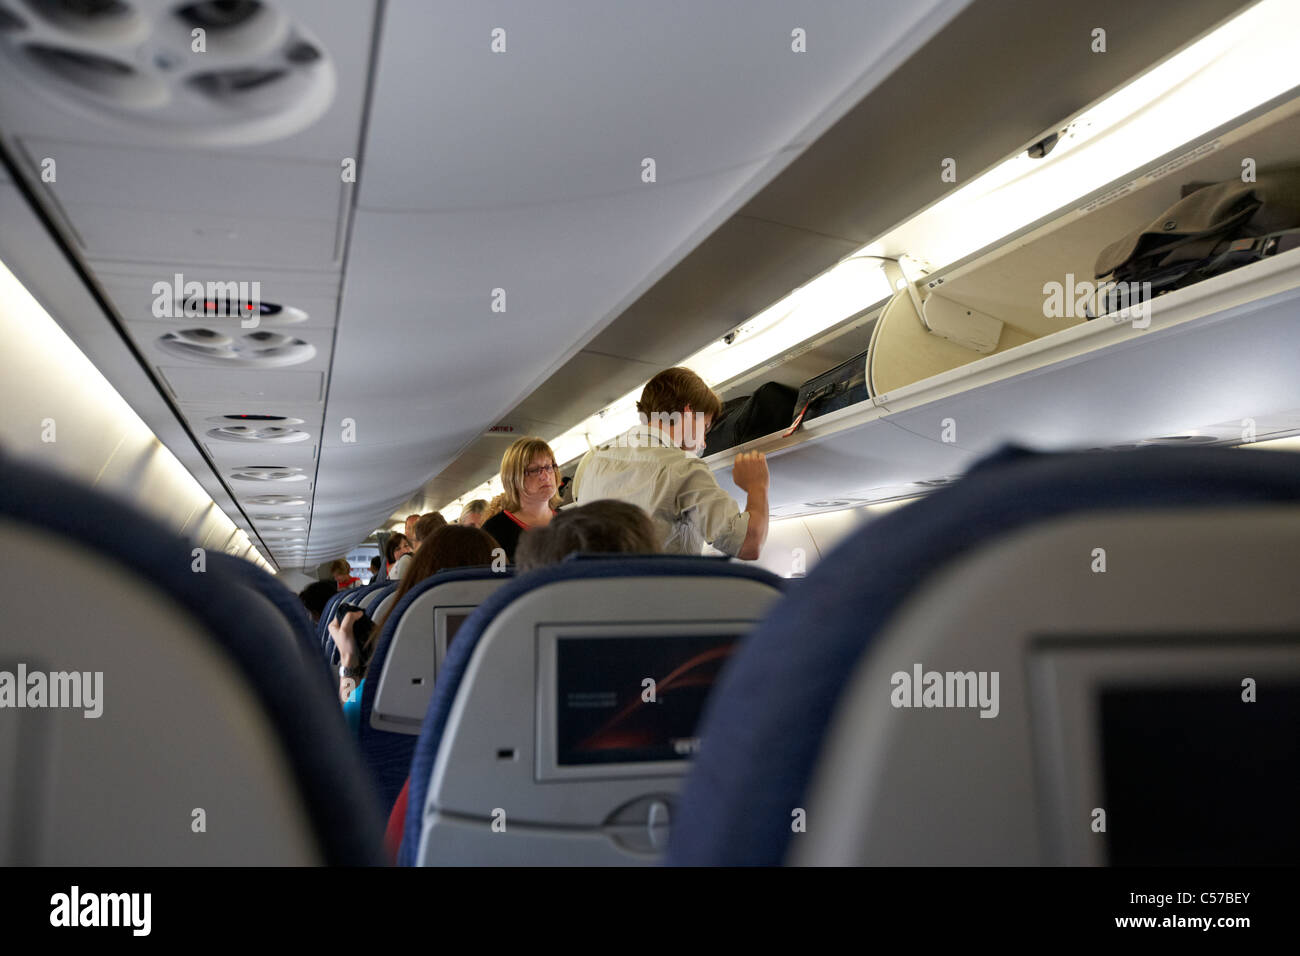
x: 467, y: 638
x: 765, y: 722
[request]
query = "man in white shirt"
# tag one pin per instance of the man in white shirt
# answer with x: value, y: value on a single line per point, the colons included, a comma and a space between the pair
x: 655, y: 467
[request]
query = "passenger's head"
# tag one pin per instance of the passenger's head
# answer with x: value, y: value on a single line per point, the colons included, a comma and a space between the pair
x: 602, y: 527
x: 396, y: 546
x: 474, y: 514
x: 410, y: 525
x: 427, y: 525
x: 528, y: 474
x: 681, y: 405
x: 450, y: 546
x: 340, y: 570
x: 315, y: 596
x: 375, y: 564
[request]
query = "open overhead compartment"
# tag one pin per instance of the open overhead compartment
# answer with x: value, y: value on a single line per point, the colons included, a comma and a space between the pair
x: 999, y: 346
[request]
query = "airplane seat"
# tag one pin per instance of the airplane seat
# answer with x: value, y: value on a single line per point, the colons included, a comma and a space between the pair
x: 285, y: 602
x: 537, y: 747
x: 1121, y: 599
x: 380, y: 608
x: 366, y: 601
x: 174, y: 721
x: 350, y: 596
x: 405, y: 664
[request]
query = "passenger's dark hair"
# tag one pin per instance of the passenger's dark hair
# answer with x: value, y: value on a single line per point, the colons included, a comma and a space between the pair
x: 391, y: 545
x: 601, y: 527
x: 375, y: 564
x: 675, y: 388
x: 451, y: 546
x: 428, y: 524
x: 316, y: 595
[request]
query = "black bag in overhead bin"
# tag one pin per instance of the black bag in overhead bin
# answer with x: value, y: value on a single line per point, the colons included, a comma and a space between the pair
x: 845, y: 384
x: 1212, y: 229
x: 768, y: 410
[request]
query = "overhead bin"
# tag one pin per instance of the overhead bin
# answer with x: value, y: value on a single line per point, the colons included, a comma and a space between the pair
x: 1210, y: 362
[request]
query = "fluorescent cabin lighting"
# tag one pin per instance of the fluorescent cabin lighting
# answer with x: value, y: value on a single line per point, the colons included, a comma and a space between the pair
x: 1246, y: 62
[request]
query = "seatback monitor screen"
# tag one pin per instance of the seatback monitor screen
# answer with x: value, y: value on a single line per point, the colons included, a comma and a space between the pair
x: 454, y: 621
x: 633, y: 699
x: 1194, y: 776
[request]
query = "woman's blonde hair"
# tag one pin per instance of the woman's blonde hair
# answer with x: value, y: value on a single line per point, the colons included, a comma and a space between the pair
x: 340, y: 566
x: 518, y: 457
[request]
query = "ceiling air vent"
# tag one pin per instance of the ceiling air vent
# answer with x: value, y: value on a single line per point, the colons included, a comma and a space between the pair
x: 277, y: 501
x: 217, y: 72
x: 259, y: 517
x: 260, y: 349
x: 268, y: 473
x: 267, y: 434
x: 90, y: 20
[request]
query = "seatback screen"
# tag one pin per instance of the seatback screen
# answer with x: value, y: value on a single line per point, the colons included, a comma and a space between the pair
x: 633, y: 699
x: 1194, y: 775
x: 454, y: 621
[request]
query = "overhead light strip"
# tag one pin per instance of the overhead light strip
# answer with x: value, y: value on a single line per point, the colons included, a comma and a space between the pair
x: 1247, y: 62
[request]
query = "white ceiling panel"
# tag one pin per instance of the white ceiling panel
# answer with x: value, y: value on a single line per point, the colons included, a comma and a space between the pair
x: 234, y: 240
x: 185, y: 181
x: 586, y: 89
x: 197, y: 384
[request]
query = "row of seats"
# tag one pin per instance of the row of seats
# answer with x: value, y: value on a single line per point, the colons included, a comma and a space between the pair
x: 1109, y: 610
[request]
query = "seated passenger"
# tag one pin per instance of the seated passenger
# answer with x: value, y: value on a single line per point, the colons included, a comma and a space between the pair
x: 342, y: 573
x: 602, y: 527
x: 395, y: 547
x: 315, y: 596
x: 450, y: 546
x: 528, y: 475
x: 427, y: 525
x: 475, y: 513
x: 375, y: 564
x: 654, y: 466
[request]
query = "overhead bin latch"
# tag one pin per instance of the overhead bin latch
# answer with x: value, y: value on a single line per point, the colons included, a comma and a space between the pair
x: 961, y: 324
x: 944, y: 317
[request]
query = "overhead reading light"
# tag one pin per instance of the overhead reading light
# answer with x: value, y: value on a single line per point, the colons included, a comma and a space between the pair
x: 265, y: 78
x: 262, y: 349
x: 1187, y: 96
x: 282, y: 501
x: 268, y: 473
x: 266, y: 434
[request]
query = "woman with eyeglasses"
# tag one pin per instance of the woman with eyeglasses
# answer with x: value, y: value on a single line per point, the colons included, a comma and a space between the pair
x: 528, y: 479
